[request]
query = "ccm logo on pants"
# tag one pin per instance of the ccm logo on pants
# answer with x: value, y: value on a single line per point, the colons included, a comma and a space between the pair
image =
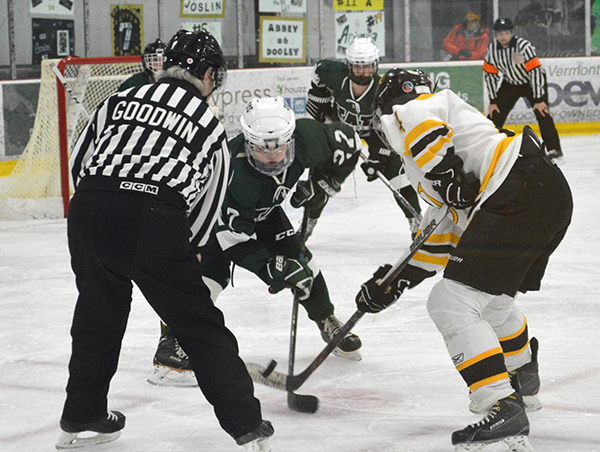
x: 138, y: 186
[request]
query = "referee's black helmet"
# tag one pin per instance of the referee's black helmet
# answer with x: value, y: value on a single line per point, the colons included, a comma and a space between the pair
x: 196, y: 52
x: 503, y: 24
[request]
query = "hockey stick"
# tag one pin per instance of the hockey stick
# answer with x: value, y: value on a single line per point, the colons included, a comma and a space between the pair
x: 298, y: 402
x: 401, y: 199
x: 70, y: 91
x: 268, y: 376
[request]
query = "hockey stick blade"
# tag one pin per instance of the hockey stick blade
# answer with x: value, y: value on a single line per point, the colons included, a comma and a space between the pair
x: 267, y: 376
x: 290, y: 383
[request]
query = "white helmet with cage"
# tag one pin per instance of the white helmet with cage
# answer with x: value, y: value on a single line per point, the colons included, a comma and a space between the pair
x: 268, y: 125
x: 362, y: 57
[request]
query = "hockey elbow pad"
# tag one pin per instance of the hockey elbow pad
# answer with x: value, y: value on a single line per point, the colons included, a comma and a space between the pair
x: 457, y: 189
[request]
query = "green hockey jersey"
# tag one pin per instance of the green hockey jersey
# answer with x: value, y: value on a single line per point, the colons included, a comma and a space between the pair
x: 329, y: 149
x: 356, y: 112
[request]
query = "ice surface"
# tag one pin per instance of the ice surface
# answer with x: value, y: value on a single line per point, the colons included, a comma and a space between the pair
x: 403, y: 396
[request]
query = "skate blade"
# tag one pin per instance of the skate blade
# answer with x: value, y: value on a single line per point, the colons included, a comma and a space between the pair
x: 259, y: 445
x: 532, y: 403
x: 351, y: 356
x: 73, y: 440
x: 514, y: 443
x: 165, y: 376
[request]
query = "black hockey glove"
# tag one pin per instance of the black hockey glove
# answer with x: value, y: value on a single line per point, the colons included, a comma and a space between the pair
x: 314, y: 193
x: 464, y: 53
x: 284, y: 272
x: 374, y: 298
x: 377, y: 161
x: 318, y: 104
x: 456, y: 188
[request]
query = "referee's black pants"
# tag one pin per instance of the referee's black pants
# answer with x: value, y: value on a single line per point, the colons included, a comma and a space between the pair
x: 507, y: 97
x: 116, y: 238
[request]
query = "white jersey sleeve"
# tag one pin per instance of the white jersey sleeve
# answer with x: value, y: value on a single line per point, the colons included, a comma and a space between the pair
x: 426, y: 129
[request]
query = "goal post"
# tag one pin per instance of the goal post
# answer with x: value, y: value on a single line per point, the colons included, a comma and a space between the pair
x: 39, y: 185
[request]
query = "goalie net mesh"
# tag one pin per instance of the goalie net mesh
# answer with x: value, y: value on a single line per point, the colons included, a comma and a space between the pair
x: 38, y: 187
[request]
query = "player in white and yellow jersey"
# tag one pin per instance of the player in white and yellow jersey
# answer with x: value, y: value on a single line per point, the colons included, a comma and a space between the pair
x: 512, y: 208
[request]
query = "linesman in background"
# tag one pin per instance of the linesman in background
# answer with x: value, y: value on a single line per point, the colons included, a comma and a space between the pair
x: 512, y: 70
x: 150, y: 172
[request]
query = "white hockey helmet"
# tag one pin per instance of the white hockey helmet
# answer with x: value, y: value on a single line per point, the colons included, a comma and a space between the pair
x: 268, y: 124
x: 362, y: 57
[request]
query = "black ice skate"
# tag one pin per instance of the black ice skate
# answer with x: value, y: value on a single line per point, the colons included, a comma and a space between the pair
x: 505, y: 422
x: 258, y: 439
x: 350, y: 346
x: 171, y: 365
x: 107, y: 430
x: 526, y: 379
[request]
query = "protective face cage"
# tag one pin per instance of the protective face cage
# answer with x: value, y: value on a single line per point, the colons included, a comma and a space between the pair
x: 153, y: 62
x: 378, y: 126
x: 266, y: 159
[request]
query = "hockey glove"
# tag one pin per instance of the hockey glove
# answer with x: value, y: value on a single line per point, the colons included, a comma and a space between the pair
x: 283, y: 272
x: 374, y: 298
x: 318, y: 104
x: 313, y: 194
x: 376, y: 162
x: 456, y: 188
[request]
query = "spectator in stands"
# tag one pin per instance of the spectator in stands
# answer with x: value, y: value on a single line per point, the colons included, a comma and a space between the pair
x: 467, y: 41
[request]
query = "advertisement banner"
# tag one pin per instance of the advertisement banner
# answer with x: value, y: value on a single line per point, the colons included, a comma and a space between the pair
x: 202, y: 8
x: 349, y: 25
x: 245, y: 84
x: 54, y: 7
x: 354, y: 5
x: 573, y: 92
x: 465, y: 80
x: 293, y: 85
x: 52, y: 38
x: 282, y: 6
x: 282, y: 40
x: 127, y: 34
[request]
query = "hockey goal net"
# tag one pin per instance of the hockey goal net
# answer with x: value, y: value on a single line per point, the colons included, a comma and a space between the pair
x: 39, y: 186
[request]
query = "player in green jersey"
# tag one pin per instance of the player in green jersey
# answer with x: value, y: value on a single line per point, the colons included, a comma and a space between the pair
x: 344, y: 92
x: 254, y: 232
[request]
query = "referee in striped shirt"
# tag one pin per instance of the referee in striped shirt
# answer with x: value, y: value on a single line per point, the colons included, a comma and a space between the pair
x: 512, y: 70
x: 150, y: 172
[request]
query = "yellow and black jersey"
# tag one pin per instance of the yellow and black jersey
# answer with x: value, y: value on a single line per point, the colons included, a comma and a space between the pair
x: 427, y: 128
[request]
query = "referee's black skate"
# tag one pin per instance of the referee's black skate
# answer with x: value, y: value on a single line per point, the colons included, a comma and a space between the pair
x: 526, y: 379
x: 258, y: 439
x: 107, y: 430
x: 350, y: 346
x: 505, y: 422
x: 171, y: 365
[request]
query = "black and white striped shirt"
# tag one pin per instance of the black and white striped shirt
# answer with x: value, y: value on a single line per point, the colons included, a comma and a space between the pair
x: 516, y: 64
x: 162, y: 135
